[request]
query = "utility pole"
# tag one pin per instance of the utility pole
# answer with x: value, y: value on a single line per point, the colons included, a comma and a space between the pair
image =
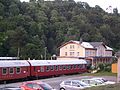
x: 118, y: 66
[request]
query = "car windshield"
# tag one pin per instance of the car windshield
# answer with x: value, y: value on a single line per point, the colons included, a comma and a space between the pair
x: 99, y: 82
x: 46, y: 86
x: 82, y: 84
x: 104, y: 80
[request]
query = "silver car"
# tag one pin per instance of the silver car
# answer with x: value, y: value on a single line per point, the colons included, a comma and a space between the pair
x: 103, y: 80
x: 73, y: 85
x: 93, y: 82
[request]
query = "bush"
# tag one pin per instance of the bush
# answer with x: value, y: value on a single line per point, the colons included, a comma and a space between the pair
x: 104, y: 67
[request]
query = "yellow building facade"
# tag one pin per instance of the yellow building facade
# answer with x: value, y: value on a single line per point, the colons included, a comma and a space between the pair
x: 72, y: 50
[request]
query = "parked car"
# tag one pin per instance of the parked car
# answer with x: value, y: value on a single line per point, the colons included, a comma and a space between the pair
x: 36, y: 85
x: 73, y: 85
x: 103, y: 80
x: 93, y: 82
x: 10, y: 88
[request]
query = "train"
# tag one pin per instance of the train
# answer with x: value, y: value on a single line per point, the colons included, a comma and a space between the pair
x: 20, y: 69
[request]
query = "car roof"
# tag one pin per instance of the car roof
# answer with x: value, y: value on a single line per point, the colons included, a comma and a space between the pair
x: 74, y: 80
x: 10, y: 88
x: 86, y: 79
x: 38, y: 82
x: 97, y: 78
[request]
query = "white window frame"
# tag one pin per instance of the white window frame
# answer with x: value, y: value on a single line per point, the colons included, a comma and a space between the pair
x: 6, y: 71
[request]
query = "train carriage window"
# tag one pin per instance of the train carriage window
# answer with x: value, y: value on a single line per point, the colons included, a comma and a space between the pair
x: 18, y: 70
x: 11, y: 70
x: 80, y: 66
x: 47, y: 68
x: 42, y: 68
x: 77, y: 65
x: 52, y: 68
x: 56, y: 68
x: 64, y: 67
x: 69, y: 67
x: 74, y: 66
x: 60, y: 67
x: 83, y: 66
x: 4, y: 71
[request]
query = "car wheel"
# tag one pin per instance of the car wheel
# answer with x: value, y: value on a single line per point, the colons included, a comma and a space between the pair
x: 62, y: 89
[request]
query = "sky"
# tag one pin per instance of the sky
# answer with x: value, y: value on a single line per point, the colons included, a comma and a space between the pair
x: 104, y: 4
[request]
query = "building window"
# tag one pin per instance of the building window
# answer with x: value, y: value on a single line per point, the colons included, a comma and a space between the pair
x: 65, y: 53
x: 78, y: 53
x: 71, y: 46
x: 71, y: 53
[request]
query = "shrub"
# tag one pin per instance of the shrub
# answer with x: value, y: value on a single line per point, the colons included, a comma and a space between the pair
x: 104, y: 67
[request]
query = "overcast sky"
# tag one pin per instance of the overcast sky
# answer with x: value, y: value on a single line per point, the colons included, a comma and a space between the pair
x: 102, y: 3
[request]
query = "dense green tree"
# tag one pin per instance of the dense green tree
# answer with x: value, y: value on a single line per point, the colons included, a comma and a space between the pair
x: 17, y: 39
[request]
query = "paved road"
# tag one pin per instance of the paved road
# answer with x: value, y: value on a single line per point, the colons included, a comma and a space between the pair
x: 55, y: 81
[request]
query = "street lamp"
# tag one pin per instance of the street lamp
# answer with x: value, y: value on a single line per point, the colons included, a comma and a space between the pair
x: 45, y: 52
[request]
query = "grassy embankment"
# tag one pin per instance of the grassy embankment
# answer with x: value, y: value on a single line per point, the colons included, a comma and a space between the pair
x: 106, y: 87
x: 99, y: 74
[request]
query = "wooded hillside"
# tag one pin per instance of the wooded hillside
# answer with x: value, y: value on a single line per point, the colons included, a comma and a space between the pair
x: 27, y: 28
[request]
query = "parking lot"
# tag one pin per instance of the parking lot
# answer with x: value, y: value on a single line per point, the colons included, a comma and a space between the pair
x: 55, y: 81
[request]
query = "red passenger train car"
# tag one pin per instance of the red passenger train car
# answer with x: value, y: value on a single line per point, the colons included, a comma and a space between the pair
x: 16, y: 69
x: 57, y: 67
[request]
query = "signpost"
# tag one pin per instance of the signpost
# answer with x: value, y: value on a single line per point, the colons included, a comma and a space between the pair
x: 118, y: 68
